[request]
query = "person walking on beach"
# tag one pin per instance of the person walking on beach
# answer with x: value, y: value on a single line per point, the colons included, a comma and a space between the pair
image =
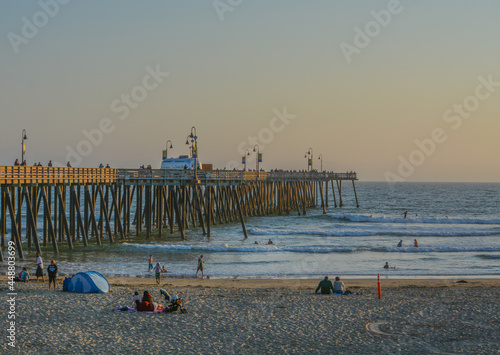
x: 200, y: 267
x: 52, y: 272
x: 150, y: 266
x: 325, y: 285
x: 39, y: 267
x: 415, y: 243
x: 157, y: 269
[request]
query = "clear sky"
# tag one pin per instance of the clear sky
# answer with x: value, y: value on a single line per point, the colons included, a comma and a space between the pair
x: 406, y: 91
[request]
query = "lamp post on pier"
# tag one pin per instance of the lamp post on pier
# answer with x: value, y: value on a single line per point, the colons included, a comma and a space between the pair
x: 244, y: 158
x: 259, y: 157
x: 310, y: 158
x: 23, y: 146
x: 320, y: 157
x: 166, y: 148
x: 194, y: 149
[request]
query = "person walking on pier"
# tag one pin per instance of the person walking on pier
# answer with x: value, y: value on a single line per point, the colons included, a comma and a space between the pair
x: 16, y: 163
x: 39, y: 267
x: 50, y: 163
x: 52, y: 272
x: 200, y: 267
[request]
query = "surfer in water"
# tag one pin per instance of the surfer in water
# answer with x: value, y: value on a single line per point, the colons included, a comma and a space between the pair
x: 270, y: 242
x: 386, y: 266
x: 400, y: 244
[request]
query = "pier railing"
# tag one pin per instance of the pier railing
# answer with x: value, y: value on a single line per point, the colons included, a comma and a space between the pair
x: 21, y: 175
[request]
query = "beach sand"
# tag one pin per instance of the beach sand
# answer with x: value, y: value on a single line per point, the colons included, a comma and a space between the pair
x: 235, y: 316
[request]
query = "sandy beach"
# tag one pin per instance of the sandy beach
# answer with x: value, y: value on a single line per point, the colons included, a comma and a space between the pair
x: 234, y: 316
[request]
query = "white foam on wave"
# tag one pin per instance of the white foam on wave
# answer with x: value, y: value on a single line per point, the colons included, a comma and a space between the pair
x: 364, y: 232
x: 309, y: 249
x: 385, y: 219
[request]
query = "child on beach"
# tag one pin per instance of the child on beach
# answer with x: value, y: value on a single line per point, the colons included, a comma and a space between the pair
x: 150, y: 266
x: 163, y: 269
x: 136, y: 298
x: 24, y: 277
x: 157, y: 269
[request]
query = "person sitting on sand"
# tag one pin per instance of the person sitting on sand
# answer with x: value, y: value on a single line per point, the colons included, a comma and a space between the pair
x: 25, y: 275
x: 136, y: 298
x: 400, y: 244
x: 146, y: 297
x: 338, y: 286
x: 415, y: 243
x: 270, y: 242
x: 325, y: 285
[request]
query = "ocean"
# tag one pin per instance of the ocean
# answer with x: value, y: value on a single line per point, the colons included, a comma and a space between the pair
x: 457, y: 226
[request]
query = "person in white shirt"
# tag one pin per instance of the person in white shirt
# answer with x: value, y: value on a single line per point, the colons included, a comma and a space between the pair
x: 39, y: 267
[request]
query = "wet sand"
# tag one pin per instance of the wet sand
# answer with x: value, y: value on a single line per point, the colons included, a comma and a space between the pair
x: 235, y: 316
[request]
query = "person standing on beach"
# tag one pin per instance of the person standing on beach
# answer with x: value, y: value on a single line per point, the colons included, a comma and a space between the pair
x: 415, y: 243
x: 200, y: 267
x: 325, y: 285
x: 52, y: 272
x: 157, y: 269
x: 39, y: 267
x: 150, y: 266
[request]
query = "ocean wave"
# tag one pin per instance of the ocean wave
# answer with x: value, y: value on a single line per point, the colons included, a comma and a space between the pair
x: 422, y: 220
x: 307, y: 249
x: 488, y: 257
x: 364, y: 232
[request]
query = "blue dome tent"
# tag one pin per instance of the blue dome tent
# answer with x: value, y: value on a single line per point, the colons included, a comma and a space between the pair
x: 88, y: 282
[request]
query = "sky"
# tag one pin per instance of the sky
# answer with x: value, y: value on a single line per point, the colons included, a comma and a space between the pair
x: 394, y: 90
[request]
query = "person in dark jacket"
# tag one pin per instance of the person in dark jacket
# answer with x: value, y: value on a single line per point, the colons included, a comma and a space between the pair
x: 325, y: 285
x: 52, y: 271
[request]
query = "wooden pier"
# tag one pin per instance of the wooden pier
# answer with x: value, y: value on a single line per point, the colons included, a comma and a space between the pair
x: 82, y: 206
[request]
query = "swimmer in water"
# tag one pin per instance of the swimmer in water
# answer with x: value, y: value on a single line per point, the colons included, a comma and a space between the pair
x: 270, y: 242
x: 400, y: 244
x: 415, y: 243
x: 256, y: 242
